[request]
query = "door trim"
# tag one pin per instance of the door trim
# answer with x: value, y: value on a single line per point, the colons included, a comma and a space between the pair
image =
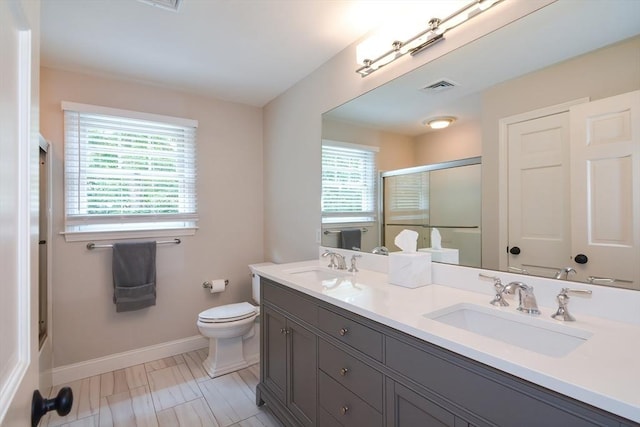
x: 503, y: 168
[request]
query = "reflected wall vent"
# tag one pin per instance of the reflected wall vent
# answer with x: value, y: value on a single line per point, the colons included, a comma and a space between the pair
x: 439, y: 86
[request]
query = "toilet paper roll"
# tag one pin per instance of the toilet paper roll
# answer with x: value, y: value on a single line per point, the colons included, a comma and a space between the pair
x: 217, y: 285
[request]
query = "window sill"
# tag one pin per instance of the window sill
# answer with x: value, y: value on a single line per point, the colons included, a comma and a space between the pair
x: 86, y: 236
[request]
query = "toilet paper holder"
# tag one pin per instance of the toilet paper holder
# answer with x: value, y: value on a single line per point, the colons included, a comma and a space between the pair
x: 209, y: 285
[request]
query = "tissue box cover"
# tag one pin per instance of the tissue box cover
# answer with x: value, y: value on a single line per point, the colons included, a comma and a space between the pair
x: 410, y: 270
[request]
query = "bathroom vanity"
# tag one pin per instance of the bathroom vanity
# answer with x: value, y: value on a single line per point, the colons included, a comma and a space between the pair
x: 351, y: 350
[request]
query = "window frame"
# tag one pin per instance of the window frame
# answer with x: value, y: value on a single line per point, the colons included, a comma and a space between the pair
x: 352, y: 217
x: 120, y: 226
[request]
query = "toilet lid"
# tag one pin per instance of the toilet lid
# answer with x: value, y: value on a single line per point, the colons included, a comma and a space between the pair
x: 228, y: 313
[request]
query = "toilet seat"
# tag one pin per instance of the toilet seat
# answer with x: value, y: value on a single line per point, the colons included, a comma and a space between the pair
x: 228, y: 313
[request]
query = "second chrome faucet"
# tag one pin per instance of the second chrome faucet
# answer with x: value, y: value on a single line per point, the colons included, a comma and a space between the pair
x: 527, y: 299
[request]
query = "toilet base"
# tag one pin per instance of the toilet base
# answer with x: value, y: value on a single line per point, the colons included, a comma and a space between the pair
x: 227, y: 355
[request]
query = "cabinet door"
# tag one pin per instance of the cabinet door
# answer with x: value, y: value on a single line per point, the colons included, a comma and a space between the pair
x: 406, y: 408
x: 303, y: 363
x: 274, y: 347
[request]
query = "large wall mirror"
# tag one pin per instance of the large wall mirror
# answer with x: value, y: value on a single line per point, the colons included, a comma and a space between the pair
x: 522, y: 96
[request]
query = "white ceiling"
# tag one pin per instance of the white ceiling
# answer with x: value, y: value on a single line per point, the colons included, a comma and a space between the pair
x: 246, y: 51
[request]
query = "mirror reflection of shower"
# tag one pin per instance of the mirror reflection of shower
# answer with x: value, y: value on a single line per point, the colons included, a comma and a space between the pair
x: 445, y: 197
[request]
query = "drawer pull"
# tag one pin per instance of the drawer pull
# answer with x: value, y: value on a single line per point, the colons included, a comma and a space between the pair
x: 344, y: 371
x: 343, y: 331
x: 344, y: 410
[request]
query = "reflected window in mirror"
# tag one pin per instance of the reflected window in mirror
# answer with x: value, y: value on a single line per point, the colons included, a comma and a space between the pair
x: 349, y: 193
x: 348, y: 183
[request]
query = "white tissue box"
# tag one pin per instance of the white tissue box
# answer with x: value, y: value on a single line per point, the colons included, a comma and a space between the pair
x: 410, y: 270
x: 446, y: 255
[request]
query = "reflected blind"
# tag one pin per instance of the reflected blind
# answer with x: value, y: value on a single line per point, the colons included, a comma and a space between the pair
x: 407, y: 198
x: 348, y: 184
x: 124, y: 171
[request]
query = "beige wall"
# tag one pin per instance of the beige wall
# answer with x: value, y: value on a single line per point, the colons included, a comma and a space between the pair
x: 460, y: 141
x: 606, y: 72
x: 230, y: 205
x: 292, y: 132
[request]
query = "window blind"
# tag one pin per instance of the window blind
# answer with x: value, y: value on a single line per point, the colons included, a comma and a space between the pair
x: 128, y: 172
x: 407, y: 198
x: 348, y: 184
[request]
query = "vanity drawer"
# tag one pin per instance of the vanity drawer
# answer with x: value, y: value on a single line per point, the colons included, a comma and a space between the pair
x: 353, y: 374
x: 347, y: 408
x: 293, y: 303
x: 326, y: 420
x: 351, y: 332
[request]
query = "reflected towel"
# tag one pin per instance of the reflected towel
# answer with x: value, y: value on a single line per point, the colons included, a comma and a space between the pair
x: 351, y: 239
x: 134, y: 275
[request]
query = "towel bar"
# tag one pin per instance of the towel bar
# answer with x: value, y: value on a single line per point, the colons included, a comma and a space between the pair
x: 92, y: 245
x: 364, y: 230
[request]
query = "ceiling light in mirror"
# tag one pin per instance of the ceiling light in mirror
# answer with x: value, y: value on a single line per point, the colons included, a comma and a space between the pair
x: 439, y: 122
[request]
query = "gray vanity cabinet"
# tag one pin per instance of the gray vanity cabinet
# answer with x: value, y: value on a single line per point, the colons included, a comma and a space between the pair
x: 325, y: 366
x: 289, y: 367
x: 406, y: 408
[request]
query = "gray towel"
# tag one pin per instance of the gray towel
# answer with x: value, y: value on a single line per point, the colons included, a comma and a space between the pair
x: 134, y: 275
x: 350, y: 238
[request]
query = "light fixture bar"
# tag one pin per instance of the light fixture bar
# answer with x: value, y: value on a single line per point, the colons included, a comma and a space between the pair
x: 426, y: 38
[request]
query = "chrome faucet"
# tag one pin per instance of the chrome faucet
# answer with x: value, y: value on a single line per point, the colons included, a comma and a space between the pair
x: 339, y: 265
x: 498, y: 300
x: 528, y: 303
x: 566, y: 271
x: 563, y: 300
x: 354, y: 267
x: 380, y: 250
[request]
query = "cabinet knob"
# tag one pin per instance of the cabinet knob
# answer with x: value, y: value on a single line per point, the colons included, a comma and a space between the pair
x: 284, y: 331
x: 344, y: 371
x: 343, y: 331
x: 344, y: 410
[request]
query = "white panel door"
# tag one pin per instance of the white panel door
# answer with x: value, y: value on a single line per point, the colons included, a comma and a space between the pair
x: 605, y: 179
x: 18, y: 218
x: 538, y: 194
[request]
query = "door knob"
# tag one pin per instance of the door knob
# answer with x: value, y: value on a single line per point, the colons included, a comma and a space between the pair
x: 514, y: 250
x: 581, y: 259
x: 62, y: 403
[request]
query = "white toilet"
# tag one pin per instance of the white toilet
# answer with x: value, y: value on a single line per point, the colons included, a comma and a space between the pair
x: 233, y: 333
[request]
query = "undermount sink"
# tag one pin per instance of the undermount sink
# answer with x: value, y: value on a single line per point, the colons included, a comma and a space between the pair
x: 517, y: 329
x: 316, y: 273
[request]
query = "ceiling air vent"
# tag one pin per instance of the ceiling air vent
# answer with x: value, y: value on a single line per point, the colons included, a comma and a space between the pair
x: 439, y: 86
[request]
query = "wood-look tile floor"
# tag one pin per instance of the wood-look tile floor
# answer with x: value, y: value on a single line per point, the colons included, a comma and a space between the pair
x: 171, y: 392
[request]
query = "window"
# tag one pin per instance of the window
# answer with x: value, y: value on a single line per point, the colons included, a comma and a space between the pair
x: 128, y: 171
x: 348, y: 182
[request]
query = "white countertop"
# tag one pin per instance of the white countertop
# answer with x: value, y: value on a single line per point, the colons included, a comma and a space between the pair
x: 604, y: 371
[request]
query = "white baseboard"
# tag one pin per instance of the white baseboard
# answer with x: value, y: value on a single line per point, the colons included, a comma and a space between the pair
x: 68, y: 373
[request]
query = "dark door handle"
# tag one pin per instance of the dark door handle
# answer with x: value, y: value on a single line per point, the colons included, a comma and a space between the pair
x: 62, y: 403
x: 581, y: 259
x: 514, y: 250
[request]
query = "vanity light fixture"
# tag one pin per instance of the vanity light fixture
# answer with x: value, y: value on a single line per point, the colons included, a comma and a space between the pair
x: 439, y: 122
x: 172, y: 5
x: 413, y: 45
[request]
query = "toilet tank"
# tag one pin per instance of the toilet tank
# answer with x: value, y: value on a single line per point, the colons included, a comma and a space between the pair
x: 255, y: 280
